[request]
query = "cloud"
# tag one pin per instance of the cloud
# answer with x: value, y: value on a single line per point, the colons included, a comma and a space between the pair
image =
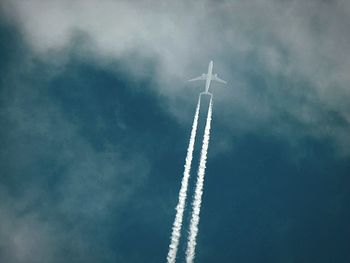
x: 25, y: 239
x: 287, y: 67
x: 58, y: 188
x: 301, y: 44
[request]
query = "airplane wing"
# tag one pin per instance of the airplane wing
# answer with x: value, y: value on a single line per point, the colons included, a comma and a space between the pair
x: 216, y: 78
x: 203, y: 77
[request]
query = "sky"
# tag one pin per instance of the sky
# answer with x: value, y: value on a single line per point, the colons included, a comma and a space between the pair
x: 96, y: 112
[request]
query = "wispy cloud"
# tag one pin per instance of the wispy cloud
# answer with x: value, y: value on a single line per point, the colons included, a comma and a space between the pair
x: 57, y: 187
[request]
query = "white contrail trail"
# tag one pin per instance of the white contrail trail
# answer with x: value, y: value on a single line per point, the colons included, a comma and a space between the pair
x: 176, y: 231
x: 196, y: 205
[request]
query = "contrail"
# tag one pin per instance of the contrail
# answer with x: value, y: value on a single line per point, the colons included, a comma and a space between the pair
x: 176, y: 230
x: 196, y: 205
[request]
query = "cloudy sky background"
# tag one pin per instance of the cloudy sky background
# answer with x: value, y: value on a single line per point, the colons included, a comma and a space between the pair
x: 95, y: 114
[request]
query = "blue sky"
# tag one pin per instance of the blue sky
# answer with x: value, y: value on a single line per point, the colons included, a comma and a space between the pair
x: 95, y: 117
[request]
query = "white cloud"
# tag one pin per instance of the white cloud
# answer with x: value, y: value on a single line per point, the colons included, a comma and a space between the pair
x: 300, y: 42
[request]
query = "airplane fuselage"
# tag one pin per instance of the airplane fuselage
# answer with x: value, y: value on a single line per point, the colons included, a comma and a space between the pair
x: 209, y: 76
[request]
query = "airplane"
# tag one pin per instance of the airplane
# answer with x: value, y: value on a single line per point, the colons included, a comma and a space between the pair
x: 208, y: 78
